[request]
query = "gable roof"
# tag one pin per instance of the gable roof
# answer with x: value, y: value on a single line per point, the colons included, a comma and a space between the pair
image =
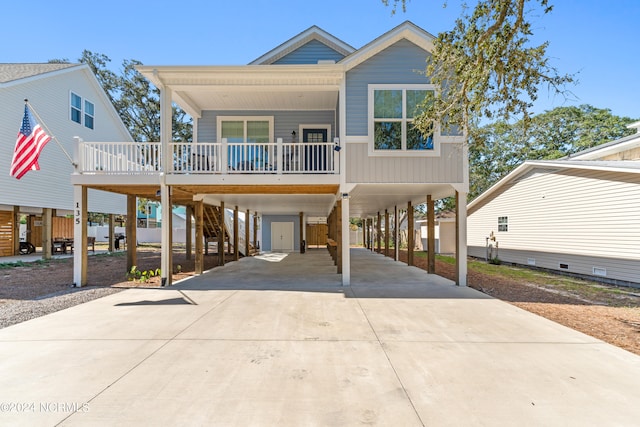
x: 407, y: 30
x: 612, y: 147
x: 312, y: 33
x: 12, y: 72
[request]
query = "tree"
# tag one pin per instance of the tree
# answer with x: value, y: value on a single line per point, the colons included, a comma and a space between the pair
x: 498, y: 148
x: 135, y: 99
x: 485, y: 66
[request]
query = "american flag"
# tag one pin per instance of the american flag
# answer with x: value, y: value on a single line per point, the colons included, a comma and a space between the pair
x: 31, y: 141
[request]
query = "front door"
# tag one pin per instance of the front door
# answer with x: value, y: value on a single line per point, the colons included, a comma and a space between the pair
x: 315, y: 156
x: 282, y: 236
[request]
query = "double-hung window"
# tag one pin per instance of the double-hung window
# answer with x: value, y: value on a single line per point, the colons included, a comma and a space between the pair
x: 82, y: 111
x: 392, y: 109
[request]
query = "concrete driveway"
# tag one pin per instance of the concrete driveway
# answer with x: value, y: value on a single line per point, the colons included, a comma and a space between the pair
x: 275, y: 340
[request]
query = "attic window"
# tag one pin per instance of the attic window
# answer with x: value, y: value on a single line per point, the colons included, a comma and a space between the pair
x: 82, y: 111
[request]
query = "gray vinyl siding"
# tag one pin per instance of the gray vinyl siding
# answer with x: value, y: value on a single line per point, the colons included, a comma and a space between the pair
x: 588, y: 218
x: 310, y: 53
x: 402, y: 62
x: 284, y: 122
x: 447, y: 168
x: 51, y: 187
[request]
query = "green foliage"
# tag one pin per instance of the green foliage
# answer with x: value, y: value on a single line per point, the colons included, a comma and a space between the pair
x: 498, y: 148
x: 486, y: 66
x: 142, y: 275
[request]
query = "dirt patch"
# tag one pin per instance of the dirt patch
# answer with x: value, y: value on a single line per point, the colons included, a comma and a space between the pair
x: 610, y: 317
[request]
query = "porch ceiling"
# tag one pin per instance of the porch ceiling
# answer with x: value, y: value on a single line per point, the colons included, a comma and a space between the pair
x: 249, y: 87
x: 258, y: 99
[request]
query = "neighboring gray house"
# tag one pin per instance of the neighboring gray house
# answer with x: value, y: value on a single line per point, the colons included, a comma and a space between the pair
x: 313, y: 128
x: 70, y: 102
x: 579, y: 214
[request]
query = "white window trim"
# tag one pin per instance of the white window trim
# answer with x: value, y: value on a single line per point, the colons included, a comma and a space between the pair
x: 72, y: 107
x: 84, y: 114
x: 221, y: 119
x: 82, y: 110
x: 402, y: 152
x: 506, y: 222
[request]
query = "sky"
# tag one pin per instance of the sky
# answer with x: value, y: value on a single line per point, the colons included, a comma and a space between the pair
x: 596, y: 40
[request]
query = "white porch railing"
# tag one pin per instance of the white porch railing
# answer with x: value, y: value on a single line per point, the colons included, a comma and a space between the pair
x: 208, y: 157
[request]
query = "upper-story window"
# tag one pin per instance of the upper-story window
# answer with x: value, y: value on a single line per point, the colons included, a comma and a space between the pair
x: 392, y: 109
x: 82, y: 111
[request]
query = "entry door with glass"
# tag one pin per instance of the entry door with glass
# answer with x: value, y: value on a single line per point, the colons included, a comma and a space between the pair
x: 315, y: 156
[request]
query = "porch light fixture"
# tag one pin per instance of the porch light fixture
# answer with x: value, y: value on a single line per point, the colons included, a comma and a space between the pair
x: 337, y: 146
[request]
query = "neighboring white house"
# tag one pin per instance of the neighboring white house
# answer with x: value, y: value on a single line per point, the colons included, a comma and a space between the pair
x: 579, y: 214
x: 70, y: 102
x: 313, y: 128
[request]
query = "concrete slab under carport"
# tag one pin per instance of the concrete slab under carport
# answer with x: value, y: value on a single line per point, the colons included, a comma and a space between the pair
x: 278, y: 341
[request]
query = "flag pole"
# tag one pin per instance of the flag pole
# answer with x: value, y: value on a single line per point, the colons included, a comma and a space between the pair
x: 43, y: 124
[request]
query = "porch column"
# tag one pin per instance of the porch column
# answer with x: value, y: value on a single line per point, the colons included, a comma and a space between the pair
x: 431, y: 236
x: 80, y: 253
x: 396, y: 235
x: 199, y: 214
x: 221, y: 235
x: 236, y: 238
x: 410, y: 237
x: 386, y: 232
x: 132, y: 222
x: 16, y: 230
x: 46, y: 233
x: 165, y: 251
x: 165, y: 196
x: 461, y: 239
x: 247, y: 228
x: 345, y: 246
x: 189, y: 226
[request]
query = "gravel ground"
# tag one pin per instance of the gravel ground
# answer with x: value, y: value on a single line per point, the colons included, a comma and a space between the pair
x: 30, y: 290
x: 21, y: 310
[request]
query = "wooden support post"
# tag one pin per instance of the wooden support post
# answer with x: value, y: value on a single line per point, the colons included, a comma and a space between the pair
x: 301, y: 231
x: 130, y: 233
x: 255, y: 231
x: 236, y: 237
x: 46, y: 233
x: 112, y: 231
x: 199, y: 215
x: 431, y: 236
x: 189, y: 226
x: 338, y: 228
x: 386, y: 232
x: 221, y: 235
x: 15, y: 234
x: 396, y: 234
x: 379, y: 234
x: 410, y: 236
x: 247, y: 228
